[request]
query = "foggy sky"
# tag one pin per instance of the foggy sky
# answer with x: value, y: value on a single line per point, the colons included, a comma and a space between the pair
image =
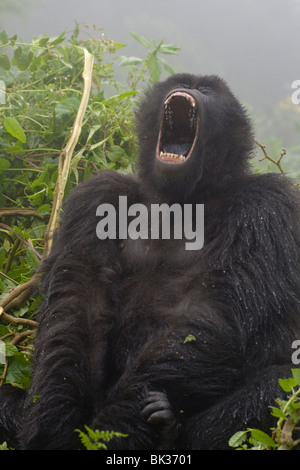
x: 253, y: 44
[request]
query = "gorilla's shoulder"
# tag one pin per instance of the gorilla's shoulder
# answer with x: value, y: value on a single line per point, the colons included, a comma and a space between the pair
x: 107, y: 180
x: 104, y: 187
x: 272, y: 188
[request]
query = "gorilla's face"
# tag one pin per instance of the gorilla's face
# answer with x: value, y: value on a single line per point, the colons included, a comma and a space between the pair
x: 192, y: 131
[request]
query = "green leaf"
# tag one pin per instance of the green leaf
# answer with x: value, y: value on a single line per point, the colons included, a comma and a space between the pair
x: 2, y: 259
x: 19, y: 370
x: 296, y: 375
x: 22, y: 57
x: 263, y: 438
x: 91, y: 439
x: 116, y: 154
x: 4, y: 37
x: 31, y: 258
x: 189, y: 339
x: 43, y: 41
x: 141, y: 40
x: 293, y: 412
x: 126, y: 94
x: 14, y: 128
x: 167, y: 66
x: 120, y: 97
x: 44, y: 209
x: 4, y: 330
x: 278, y: 413
x: 58, y: 39
x: 4, y: 164
x: 119, y: 45
x: 287, y: 384
x: 4, y: 62
x: 128, y: 61
x: 169, y: 49
x: 6, y: 245
x: 68, y: 106
x: 154, y: 68
x: 13, y: 39
x: 10, y: 350
x: 238, y: 439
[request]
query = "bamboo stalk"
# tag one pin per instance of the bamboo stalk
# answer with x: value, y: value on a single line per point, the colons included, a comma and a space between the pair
x: 67, y: 153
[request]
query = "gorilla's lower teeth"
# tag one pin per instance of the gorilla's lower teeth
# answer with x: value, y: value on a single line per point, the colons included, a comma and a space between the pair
x: 171, y: 157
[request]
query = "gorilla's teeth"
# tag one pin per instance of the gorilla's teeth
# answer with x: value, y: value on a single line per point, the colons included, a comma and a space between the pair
x: 169, y: 113
x: 192, y: 118
x: 171, y: 157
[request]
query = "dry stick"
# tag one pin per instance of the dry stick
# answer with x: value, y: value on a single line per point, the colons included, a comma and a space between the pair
x: 20, y: 294
x: 20, y: 212
x: 66, y: 154
x: 17, y: 321
x: 267, y: 156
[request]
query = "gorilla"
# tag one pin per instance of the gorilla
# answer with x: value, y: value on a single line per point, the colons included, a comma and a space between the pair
x: 176, y: 348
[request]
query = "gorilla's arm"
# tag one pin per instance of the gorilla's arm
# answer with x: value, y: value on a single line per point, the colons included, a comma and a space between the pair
x: 80, y: 287
x: 81, y: 290
x: 259, y: 253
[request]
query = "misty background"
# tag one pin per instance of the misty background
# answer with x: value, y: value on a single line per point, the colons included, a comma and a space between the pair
x: 253, y: 44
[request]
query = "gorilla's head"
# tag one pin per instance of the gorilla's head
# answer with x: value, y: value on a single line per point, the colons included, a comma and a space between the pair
x: 193, y: 134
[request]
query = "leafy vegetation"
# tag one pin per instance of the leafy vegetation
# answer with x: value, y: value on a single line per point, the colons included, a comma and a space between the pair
x: 97, y: 440
x: 43, y: 88
x: 285, y: 436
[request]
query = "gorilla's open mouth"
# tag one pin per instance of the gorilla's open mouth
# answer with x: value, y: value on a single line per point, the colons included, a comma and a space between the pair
x: 178, y: 129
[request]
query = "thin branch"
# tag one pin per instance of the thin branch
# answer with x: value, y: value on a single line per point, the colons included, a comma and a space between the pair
x: 11, y: 212
x: 268, y: 157
x: 16, y: 298
x: 7, y: 277
x: 20, y: 336
x: 17, y: 321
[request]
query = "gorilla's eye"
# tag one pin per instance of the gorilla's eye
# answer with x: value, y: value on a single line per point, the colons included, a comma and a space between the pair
x: 178, y: 128
x: 204, y: 90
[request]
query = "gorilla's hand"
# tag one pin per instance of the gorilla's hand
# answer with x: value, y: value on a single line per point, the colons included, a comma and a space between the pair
x: 159, y: 414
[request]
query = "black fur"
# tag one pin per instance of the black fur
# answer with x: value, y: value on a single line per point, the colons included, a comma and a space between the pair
x: 117, y: 312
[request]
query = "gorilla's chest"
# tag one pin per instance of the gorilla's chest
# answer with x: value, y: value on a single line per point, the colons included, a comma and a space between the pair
x: 157, y: 279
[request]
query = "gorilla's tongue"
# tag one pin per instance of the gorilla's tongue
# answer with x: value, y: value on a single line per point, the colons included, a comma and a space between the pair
x: 177, y: 149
